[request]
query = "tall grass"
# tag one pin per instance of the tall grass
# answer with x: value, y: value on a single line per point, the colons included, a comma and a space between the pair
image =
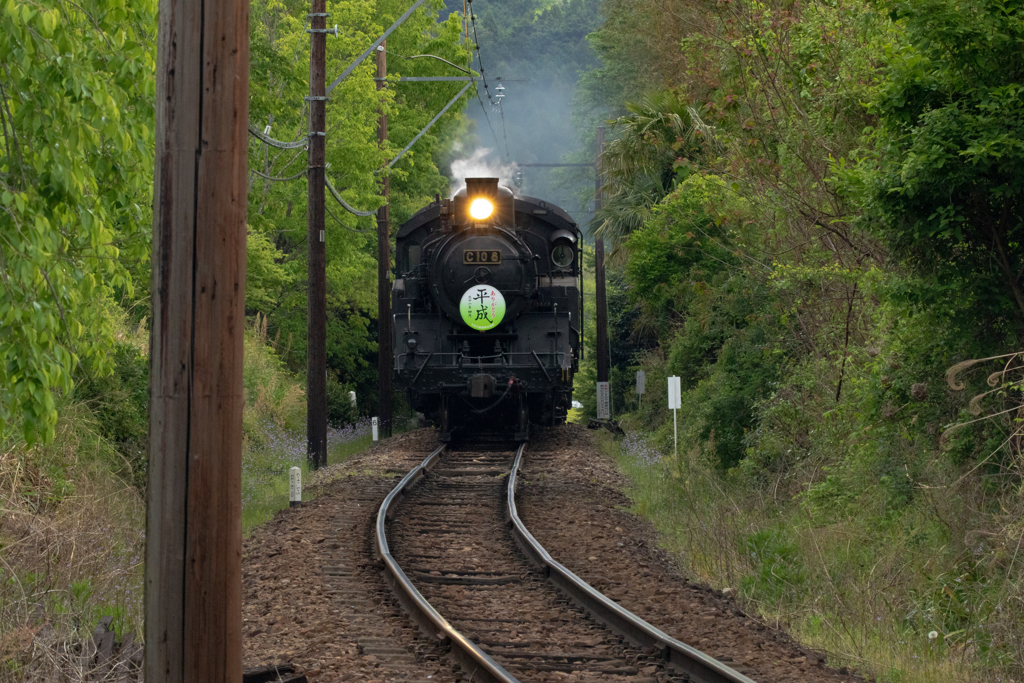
x: 274, y: 424
x: 72, y: 513
x: 266, y: 462
x: 71, y: 547
x: 879, y: 600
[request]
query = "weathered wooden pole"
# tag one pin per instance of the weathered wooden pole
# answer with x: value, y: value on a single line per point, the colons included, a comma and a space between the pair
x: 193, y: 590
x: 601, y: 303
x: 316, y: 267
x: 384, y: 341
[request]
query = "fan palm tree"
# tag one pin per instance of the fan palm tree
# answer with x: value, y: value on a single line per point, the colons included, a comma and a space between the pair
x: 638, y: 167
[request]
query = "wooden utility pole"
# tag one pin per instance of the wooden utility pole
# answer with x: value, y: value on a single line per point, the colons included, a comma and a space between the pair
x: 384, y: 333
x: 601, y: 304
x: 193, y: 585
x: 316, y: 310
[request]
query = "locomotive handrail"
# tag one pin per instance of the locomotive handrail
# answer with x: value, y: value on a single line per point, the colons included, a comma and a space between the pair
x: 544, y: 369
x: 699, y: 666
x: 420, y: 371
x: 528, y: 354
x: 422, y: 612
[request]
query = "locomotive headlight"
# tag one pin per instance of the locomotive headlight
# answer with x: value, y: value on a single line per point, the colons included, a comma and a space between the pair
x: 481, y: 208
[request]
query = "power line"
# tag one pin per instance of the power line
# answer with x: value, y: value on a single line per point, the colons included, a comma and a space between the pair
x: 345, y: 204
x: 301, y: 142
x: 487, y: 118
x: 487, y: 91
x: 501, y: 110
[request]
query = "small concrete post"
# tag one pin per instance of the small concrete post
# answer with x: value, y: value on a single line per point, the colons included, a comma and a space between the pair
x: 294, y: 487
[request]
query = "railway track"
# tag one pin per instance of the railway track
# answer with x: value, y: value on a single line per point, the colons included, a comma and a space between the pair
x: 469, y: 572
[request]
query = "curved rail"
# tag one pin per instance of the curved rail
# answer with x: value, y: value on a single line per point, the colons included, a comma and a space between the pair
x: 699, y: 666
x: 474, y: 660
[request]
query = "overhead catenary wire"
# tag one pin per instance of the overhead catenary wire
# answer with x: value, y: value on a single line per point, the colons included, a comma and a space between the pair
x: 486, y: 117
x: 440, y: 59
x: 346, y: 205
x: 303, y: 143
x: 256, y: 133
x: 487, y: 91
x: 294, y: 145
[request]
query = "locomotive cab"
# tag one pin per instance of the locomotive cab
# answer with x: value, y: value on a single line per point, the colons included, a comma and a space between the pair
x: 488, y: 305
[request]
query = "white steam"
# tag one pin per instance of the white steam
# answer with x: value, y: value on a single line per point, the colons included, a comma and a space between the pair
x: 478, y: 165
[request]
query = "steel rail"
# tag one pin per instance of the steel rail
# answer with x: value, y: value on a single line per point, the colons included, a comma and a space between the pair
x: 699, y: 666
x: 474, y: 660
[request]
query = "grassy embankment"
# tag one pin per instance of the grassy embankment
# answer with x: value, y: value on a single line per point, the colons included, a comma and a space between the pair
x: 72, y: 530
x: 926, y: 592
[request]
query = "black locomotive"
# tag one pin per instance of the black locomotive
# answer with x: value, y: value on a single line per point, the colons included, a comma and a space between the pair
x: 487, y: 311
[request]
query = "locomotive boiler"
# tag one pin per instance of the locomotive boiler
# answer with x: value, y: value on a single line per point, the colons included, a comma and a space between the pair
x: 487, y: 307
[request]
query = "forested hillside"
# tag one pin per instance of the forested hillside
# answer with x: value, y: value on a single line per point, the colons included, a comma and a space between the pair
x: 817, y: 220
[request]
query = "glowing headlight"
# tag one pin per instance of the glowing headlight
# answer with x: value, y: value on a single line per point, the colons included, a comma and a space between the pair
x: 481, y: 208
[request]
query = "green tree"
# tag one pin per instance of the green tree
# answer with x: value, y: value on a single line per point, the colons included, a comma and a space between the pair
x: 660, y: 141
x: 946, y: 187
x: 76, y: 112
x: 277, y: 210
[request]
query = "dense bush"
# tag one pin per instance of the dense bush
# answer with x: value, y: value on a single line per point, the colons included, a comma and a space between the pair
x: 119, y: 401
x: 816, y: 212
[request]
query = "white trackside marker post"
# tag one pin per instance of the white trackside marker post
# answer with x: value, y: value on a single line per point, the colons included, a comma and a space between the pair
x: 373, y: 427
x: 641, y: 381
x: 675, y: 403
x: 294, y: 487
x: 604, y: 403
x: 352, y: 398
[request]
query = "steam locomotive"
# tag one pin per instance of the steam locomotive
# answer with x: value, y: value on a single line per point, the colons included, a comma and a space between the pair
x: 487, y: 311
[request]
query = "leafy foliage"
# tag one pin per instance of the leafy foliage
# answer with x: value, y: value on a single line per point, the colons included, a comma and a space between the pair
x: 76, y: 101
x: 660, y: 142
x: 946, y: 185
x: 848, y: 231
x: 277, y: 210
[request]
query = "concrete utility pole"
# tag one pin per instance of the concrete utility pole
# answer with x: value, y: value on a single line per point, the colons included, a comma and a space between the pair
x: 601, y: 304
x: 193, y: 590
x: 384, y: 341
x: 316, y: 311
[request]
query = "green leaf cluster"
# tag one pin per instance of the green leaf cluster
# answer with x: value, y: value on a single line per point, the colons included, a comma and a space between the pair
x: 943, y: 184
x: 76, y: 158
x: 277, y: 266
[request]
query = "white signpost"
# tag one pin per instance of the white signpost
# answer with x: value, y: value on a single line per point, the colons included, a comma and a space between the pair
x: 604, y: 401
x: 641, y: 381
x: 675, y: 400
x: 373, y: 427
x: 294, y: 487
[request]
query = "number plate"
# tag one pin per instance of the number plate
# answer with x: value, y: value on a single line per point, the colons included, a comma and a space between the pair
x: 474, y: 257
